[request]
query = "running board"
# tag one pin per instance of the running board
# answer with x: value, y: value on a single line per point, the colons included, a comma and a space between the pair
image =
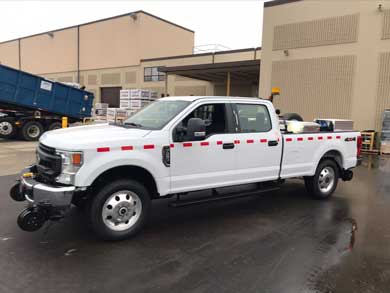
x: 202, y: 200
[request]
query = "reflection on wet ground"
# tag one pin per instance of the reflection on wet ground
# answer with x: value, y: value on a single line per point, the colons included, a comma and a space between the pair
x: 277, y: 242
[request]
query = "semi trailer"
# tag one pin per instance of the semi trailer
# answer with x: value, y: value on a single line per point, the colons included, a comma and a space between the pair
x: 31, y: 104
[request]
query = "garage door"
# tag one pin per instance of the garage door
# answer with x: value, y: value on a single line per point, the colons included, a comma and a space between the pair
x: 110, y: 95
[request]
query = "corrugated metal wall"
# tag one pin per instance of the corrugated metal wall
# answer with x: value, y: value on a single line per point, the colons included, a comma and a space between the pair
x: 386, y: 24
x: 383, y: 90
x: 317, y: 87
x: 328, y: 31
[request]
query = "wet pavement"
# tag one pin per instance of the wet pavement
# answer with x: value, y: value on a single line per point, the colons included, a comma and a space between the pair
x: 277, y: 242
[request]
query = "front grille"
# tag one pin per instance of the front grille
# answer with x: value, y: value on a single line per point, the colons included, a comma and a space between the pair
x: 49, y: 164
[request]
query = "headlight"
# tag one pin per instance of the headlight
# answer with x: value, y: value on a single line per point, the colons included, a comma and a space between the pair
x: 71, y: 163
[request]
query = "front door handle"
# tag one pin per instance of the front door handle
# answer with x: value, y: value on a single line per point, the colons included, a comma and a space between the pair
x: 227, y: 146
x: 272, y: 143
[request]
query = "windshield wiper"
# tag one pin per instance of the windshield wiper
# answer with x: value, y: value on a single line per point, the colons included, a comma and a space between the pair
x: 133, y: 124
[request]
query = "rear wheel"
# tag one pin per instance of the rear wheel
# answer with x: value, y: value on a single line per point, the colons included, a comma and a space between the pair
x: 55, y: 125
x: 119, y: 210
x: 324, y: 182
x: 32, y: 130
x: 7, y: 128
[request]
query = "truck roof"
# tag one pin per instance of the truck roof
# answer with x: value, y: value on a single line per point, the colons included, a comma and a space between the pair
x: 194, y: 98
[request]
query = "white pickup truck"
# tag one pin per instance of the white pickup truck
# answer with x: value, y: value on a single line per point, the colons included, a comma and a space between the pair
x: 175, y: 146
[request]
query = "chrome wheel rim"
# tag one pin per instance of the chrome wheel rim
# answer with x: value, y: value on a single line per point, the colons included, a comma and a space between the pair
x: 33, y: 131
x: 121, y: 210
x: 326, y: 179
x: 5, y: 128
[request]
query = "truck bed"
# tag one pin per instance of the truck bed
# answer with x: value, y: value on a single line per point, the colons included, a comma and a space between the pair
x: 302, y: 152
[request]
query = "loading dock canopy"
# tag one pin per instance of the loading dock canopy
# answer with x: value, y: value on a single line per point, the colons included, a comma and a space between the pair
x: 239, y: 71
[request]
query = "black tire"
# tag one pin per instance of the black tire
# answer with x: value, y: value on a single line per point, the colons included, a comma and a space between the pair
x: 320, y: 178
x: 97, y: 207
x: 7, y: 128
x: 292, y: 116
x: 55, y: 125
x: 32, y: 130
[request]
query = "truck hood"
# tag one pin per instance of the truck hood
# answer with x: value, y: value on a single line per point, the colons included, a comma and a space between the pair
x: 91, y: 136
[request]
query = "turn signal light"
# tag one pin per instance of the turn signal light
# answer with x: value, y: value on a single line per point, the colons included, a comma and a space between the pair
x: 76, y: 159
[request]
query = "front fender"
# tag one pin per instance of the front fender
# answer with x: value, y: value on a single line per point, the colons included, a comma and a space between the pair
x: 98, y: 163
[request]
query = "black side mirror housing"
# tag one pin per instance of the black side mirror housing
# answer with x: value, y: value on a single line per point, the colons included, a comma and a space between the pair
x: 196, y: 129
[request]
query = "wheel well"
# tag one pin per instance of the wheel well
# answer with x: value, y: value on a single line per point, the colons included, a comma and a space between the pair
x: 137, y: 173
x: 336, y: 156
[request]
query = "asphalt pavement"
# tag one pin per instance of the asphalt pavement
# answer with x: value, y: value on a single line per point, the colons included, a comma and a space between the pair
x: 277, y: 242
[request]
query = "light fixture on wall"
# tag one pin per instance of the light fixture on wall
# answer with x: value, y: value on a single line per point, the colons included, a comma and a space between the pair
x: 286, y: 52
x: 133, y: 15
x: 380, y: 7
x: 50, y: 34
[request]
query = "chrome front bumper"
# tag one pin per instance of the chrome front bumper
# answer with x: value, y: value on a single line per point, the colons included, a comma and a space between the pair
x: 42, y: 194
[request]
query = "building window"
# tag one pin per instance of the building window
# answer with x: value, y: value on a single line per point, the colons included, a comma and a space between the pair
x: 152, y: 74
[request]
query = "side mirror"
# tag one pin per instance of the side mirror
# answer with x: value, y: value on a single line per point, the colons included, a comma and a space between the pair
x: 196, y: 129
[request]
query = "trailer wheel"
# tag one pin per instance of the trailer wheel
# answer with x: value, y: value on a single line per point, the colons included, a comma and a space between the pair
x: 32, y: 130
x: 324, y: 182
x: 55, y: 125
x: 7, y: 128
x: 119, y: 210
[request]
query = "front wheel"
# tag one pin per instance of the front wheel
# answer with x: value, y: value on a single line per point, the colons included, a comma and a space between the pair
x: 119, y: 210
x: 324, y: 182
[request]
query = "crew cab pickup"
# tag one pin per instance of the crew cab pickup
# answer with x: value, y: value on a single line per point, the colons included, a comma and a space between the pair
x: 175, y: 146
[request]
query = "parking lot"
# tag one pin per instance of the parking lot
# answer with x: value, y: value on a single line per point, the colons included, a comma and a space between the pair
x: 277, y: 242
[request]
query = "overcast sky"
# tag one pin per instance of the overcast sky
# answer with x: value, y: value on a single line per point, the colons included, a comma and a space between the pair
x: 235, y: 24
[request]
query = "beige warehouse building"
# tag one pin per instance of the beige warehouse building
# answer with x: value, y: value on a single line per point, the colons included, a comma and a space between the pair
x: 134, y: 50
x: 330, y: 58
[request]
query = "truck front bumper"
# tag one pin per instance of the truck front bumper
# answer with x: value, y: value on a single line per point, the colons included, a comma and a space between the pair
x: 45, y: 202
x: 39, y: 193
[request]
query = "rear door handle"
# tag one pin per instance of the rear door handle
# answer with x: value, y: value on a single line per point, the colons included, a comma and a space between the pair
x: 227, y: 146
x: 272, y: 143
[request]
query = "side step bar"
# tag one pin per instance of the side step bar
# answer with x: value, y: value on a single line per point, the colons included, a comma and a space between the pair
x: 203, y: 200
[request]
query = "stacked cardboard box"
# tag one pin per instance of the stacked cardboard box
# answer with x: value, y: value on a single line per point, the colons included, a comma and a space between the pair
x: 385, y: 135
x: 136, y: 99
x: 101, y: 109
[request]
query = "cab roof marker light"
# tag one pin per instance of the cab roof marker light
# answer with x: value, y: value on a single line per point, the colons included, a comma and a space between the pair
x: 148, y: 146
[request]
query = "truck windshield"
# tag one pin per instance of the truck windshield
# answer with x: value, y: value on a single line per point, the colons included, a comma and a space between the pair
x: 156, y: 115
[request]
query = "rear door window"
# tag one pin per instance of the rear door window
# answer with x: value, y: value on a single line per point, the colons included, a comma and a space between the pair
x: 253, y: 118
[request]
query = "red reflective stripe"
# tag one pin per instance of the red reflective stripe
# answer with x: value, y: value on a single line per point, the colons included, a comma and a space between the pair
x: 219, y: 142
x: 237, y: 141
x: 264, y: 140
x: 330, y: 137
x: 300, y: 138
x: 320, y: 137
x: 310, y: 138
x: 250, y: 141
x: 172, y: 145
x: 148, y: 146
x: 289, y: 139
x: 187, y: 144
x: 102, y: 150
x: 338, y: 137
x: 204, y: 143
x: 127, y: 148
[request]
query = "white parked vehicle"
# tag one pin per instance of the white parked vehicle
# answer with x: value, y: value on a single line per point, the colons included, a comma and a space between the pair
x: 174, y: 146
